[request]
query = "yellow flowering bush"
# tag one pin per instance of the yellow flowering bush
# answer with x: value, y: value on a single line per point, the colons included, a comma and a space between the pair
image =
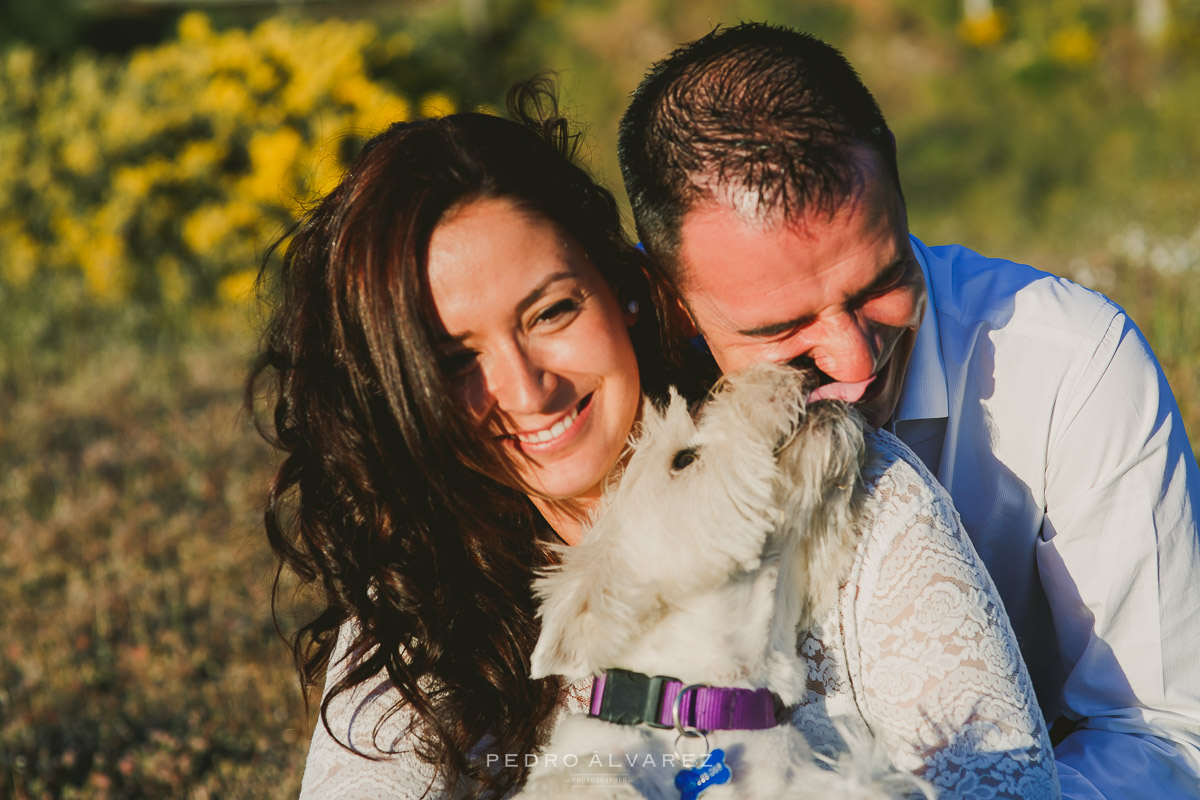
x: 161, y: 179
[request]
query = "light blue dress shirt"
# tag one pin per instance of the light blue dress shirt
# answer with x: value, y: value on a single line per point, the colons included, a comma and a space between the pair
x: 1040, y: 407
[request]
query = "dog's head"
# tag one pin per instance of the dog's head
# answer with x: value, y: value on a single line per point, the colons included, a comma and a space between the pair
x: 702, y: 504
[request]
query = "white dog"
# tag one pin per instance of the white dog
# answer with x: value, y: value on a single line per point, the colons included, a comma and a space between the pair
x: 724, y: 535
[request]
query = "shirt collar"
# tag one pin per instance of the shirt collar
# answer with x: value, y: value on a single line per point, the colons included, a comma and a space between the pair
x: 924, y: 395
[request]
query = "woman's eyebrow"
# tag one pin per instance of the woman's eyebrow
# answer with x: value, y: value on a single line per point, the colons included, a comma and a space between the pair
x: 539, y: 290
x: 523, y: 305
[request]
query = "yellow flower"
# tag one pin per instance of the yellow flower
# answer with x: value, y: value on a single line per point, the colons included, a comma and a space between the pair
x: 207, y: 230
x: 122, y: 122
x: 138, y: 181
x: 237, y: 288
x: 225, y: 96
x: 19, y: 259
x: 111, y: 217
x: 356, y: 91
x: 19, y: 63
x: 243, y: 214
x: 70, y: 233
x: 204, y: 229
x: 130, y: 181
x: 199, y: 158
x: 1073, y: 45
x: 86, y: 79
x: 233, y: 51
x: 103, y: 268
x: 273, y: 35
x: 327, y: 130
x: 80, y: 154
x: 323, y: 177
x: 274, y: 157
x: 302, y: 92
x: 194, y: 28
x: 388, y: 109
x: 983, y: 30
x: 143, y: 66
x: 436, y: 104
x: 262, y: 77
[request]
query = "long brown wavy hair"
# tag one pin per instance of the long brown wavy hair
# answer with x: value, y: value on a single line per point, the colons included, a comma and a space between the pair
x: 407, y: 521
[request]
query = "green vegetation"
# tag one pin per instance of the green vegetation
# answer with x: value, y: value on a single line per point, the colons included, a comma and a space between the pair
x: 137, y: 193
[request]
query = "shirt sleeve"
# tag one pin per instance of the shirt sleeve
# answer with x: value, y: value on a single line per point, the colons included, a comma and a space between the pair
x: 1119, y: 560
x: 379, y: 760
x: 942, y: 681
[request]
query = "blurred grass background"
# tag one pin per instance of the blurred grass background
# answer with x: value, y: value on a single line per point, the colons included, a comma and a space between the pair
x: 150, y: 152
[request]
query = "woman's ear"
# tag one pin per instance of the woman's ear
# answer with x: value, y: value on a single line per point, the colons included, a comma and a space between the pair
x: 629, y: 311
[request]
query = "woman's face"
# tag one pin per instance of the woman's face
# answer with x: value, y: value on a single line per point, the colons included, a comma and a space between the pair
x: 535, y: 343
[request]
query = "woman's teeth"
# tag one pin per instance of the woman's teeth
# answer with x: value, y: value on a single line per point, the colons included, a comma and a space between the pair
x: 556, y: 430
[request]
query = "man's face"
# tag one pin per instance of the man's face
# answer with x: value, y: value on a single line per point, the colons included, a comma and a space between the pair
x: 843, y: 292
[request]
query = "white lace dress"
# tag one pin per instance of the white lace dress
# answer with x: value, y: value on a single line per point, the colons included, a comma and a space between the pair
x: 918, y: 649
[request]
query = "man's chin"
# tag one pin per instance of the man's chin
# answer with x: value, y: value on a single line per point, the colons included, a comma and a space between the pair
x: 880, y: 401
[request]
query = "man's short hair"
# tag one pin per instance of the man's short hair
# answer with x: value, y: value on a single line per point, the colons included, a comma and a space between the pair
x: 760, y: 117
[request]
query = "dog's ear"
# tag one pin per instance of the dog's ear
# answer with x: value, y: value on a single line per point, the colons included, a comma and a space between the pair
x: 655, y: 420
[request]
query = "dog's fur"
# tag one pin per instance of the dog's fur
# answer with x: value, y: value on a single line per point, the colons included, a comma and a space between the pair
x: 704, y: 571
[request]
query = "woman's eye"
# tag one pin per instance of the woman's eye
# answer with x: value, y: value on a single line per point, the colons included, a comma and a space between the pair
x: 559, y: 310
x: 457, y: 365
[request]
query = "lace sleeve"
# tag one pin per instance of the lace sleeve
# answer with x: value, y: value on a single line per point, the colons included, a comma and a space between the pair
x: 941, y: 679
x: 381, y: 762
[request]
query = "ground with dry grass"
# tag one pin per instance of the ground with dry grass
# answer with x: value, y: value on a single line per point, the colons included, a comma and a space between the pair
x: 138, y: 656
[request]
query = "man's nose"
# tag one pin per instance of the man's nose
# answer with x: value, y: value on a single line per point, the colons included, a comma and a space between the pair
x: 518, y: 382
x: 850, y: 352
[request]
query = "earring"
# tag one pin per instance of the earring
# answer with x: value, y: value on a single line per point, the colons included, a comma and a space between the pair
x: 632, y: 306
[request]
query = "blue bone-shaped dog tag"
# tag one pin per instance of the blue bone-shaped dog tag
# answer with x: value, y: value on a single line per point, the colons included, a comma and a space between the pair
x: 691, y: 781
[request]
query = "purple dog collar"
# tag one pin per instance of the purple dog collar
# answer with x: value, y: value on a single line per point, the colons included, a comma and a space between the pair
x: 630, y: 698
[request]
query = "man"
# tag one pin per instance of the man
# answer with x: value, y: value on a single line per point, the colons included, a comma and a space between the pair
x: 764, y: 182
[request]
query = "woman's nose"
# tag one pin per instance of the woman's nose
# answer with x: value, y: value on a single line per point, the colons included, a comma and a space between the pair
x: 518, y: 382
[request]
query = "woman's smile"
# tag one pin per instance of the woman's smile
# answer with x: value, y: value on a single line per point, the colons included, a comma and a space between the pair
x: 558, y: 435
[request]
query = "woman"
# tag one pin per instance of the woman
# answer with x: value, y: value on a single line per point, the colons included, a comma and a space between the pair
x: 461, y: 343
